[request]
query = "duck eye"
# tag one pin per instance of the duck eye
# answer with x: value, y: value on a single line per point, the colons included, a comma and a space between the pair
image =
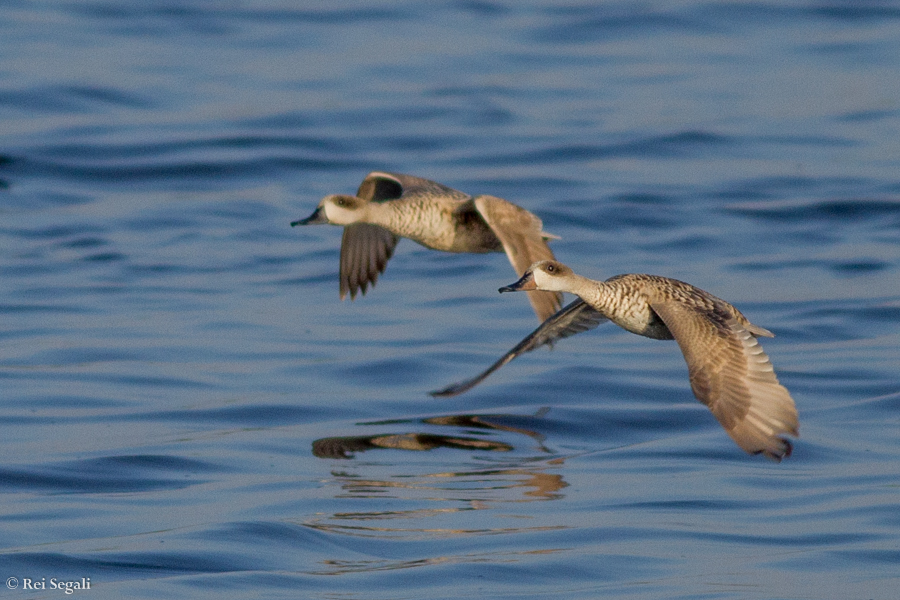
x: 551, y: 268
x: 340, y: 202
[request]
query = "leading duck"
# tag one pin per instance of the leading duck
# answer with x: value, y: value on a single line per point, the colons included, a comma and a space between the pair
x: 729, y: 372
x: 389, y: 206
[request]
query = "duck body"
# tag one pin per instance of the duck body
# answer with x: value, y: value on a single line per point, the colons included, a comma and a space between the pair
x: 440, y: 222
x: 628, y: 300
x: 390, y: 206
x: 728, y: 370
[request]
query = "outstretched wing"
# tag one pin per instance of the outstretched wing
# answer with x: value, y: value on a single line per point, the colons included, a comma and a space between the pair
x: 732, y: 375
x: 576, y: 317
x: 365, y: 251
x: 521, y: 234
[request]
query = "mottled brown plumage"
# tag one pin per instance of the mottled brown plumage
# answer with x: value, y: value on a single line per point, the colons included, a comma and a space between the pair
x: 389, y: 206
x: 729, y: 372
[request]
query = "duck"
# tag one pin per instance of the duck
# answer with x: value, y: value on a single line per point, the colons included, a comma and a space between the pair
x: 390, y: 206
x: 728, y: 370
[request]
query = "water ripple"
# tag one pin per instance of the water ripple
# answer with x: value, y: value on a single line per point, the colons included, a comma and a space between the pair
x: 117, y: 474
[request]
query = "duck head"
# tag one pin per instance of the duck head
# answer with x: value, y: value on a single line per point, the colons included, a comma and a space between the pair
x: 545, y: 275
x: 336, y: 209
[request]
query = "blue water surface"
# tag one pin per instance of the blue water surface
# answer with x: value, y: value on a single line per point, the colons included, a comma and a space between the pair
x: 188, y: 410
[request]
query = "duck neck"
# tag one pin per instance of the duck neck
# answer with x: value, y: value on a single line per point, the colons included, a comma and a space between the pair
x: 592, y: 292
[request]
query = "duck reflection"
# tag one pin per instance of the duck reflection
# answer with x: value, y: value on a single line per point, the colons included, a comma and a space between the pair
x: 515, y: 473
x: 405, y: 499
x: 347, y: 446
x: 344, y: 447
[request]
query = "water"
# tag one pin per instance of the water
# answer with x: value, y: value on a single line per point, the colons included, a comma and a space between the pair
x: 180, y: 382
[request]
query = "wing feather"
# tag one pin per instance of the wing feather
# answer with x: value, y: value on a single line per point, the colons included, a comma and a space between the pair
x: 521, y: 234
x: 731, y: 375
x: 365, y: 251
x: 576, y: 317
x: 379, y: 186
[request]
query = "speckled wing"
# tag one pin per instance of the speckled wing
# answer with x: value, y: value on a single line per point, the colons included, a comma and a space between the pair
x: 379, y: 186
x: 521, y: 234
x: 576, y: 317
x: 732, y: 375
x: 365, y: 251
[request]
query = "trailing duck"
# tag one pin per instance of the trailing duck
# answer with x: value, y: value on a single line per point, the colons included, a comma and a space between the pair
x: 389, y: 206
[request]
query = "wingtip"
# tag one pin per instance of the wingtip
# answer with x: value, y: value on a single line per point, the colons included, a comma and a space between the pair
x: 447, y: 392
x: 777, y: 455
x: 354, y: 291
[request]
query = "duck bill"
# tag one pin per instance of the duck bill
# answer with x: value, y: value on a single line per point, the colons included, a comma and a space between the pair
x: 526, y: 283
x: 317, y: 218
